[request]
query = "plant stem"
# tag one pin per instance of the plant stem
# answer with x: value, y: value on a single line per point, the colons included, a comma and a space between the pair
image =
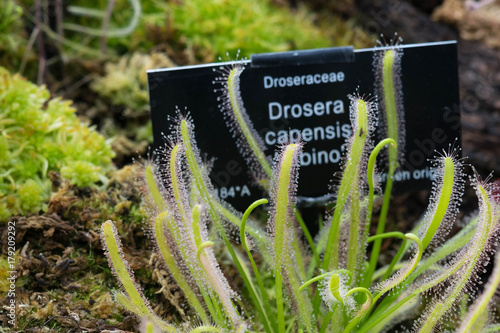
x: 391, y: 116
x: 265, y: 298
x: 326, y: 320
x: 380, y: 228
x: 308, y: 236
x: 349, y: 182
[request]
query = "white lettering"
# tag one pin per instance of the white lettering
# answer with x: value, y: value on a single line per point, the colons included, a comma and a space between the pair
x: 272, y: 115
x: 307, y: 134
x: 338, y: 107
x: 270, y: 138
x: 277, y: 110
x: 319, y: 108
x: 317, y: 78
x: 301, y: 80
x: 320, y: 157
x: 268, y: 82
x: 296, y: 111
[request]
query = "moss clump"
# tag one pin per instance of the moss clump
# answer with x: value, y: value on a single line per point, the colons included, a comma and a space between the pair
x: 39, y: 134
x: 125, y: 87
x: 125, y: 82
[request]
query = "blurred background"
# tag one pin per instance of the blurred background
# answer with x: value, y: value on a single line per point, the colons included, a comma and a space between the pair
x: 96, y: 55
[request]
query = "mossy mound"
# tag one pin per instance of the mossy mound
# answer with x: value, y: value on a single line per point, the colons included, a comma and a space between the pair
x: 61, y: 270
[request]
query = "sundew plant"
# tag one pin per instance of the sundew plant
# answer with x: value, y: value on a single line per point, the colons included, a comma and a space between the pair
x: 291, y: 282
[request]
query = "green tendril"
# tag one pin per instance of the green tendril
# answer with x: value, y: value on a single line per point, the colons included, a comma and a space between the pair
x: 405, y: 271
x: 265, y: 311
x: 203, y: 246
x: 317, y: 278
x: 369, y: 296
x: 364, y: 308
x: 334, y: 287
x: 369, y: 212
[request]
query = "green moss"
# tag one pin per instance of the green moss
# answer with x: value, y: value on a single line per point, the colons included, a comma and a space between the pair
x: 125, y: 82
x: 38, y: 135
x: 125, y: 85
x: 31, y: 195
x: 12, y: 36
x: 81, y: 173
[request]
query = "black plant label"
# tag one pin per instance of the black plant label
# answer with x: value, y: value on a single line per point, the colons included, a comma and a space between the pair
x: 292, y: 96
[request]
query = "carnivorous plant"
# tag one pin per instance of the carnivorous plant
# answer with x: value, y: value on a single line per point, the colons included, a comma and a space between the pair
x: 335, y: 285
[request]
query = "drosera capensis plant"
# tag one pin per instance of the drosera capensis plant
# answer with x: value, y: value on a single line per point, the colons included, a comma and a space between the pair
x: 351, y: 191
x: 277, y: 293
x: 464, y: 268
x: 478, y: 315
x: 445, y: 200
x: 249, y: 143
x: 133, y: 300
x: 388, y: 87
x: 284, y: 186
